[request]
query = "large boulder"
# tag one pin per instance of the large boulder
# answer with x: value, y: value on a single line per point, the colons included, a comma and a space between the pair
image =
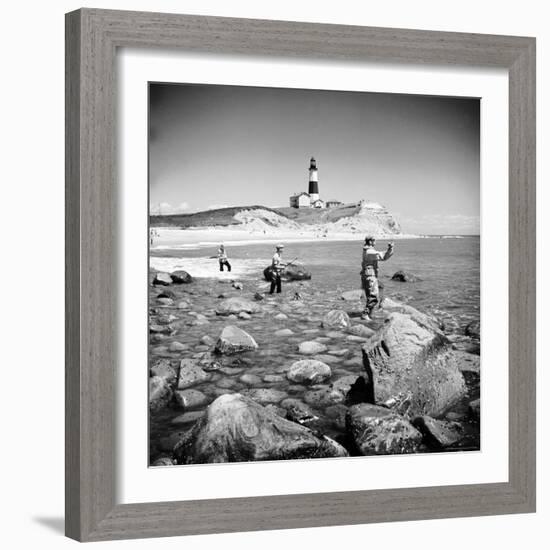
x: 428, y: 321
x: 181, y: 277
x: 191, y: 374
x: 379, y: 431
x: 234, y: 340
x: 294, y: 272
x: 236, y: 429
x: 336, y: 318
x: 308, y: 371
x: 413, y: 367
x: 236, y: 305
x: 160, y: 393
x: 162, y: 279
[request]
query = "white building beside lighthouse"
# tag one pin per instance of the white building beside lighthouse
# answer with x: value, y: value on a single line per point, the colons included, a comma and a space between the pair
x: 310, y: 199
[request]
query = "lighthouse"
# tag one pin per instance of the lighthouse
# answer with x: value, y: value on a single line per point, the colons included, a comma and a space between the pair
x: 313, y: 181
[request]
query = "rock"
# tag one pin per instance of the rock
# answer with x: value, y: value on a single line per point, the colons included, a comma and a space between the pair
x: 234, y: 306
x: 337, y: 413
x: 323, y: 397
x: 308, y: 371
x: 353, y: 295
x: 245, y: 316
x: 336, y: 319
x: 209, y: 362
x: 238, y: 286
x: 207, y: 340
x: 190, y: 399
x: 405, y: 277
x: 183, y: 305
x: 160, y: 393
x: 258, y: 297
x: 164, y: 369
x: 167, y: 293
x: 178, y: 346
x: 273, y: 378
x: 181, y: 277
x: 413, y: 364
x: 379, y: 431
x: 338, y: 352
x: 473, y: 329
x: 344, y: 384
x: 234, y: 340
x: 161, y: 329
x: 294, y: 272
x: 226, y: 383
x: 281, y: 317
x: 353, y: 338
x: 468, y: 362
x: 265, y: 395
x: 187, y: 418
x: 165, y: 301
x: 438, y: 434
x: 191, y: 374
x: 361, y: 330
x: 163, y: 461
x: 274, y: 409
x: 236, y: 429
x: 250, y: 379
x: 424, y: 320
x: 162, y: 278
x: 328, y: 359
x: 311, y: 348
x: 474, y: 408
x: 283, y: 332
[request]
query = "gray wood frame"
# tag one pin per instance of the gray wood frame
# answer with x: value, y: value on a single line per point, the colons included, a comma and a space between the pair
x: 92, y: 38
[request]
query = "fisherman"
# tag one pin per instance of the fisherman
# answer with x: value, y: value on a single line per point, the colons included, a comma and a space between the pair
x: 369, y: 274
x: 277, y: 267
x: 222, y: 258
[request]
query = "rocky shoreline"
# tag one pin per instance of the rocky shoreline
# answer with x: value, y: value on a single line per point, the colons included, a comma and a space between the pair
x: 238, y: 375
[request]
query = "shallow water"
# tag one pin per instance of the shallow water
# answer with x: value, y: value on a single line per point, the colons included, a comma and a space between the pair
x: 449, y: 288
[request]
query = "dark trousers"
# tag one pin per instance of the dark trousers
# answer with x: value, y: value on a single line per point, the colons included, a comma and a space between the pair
x: 225, y: 262
x: 275, y: 282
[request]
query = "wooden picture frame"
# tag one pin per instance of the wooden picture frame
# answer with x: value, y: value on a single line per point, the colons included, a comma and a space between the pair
x: 92, y: 39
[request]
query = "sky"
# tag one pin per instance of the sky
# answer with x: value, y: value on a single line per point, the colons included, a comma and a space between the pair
x: 213, y: 146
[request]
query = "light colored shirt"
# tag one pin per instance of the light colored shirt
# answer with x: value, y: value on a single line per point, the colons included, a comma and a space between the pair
x: 277, y: 263
x: 371, y: 257
x: 221, y: 254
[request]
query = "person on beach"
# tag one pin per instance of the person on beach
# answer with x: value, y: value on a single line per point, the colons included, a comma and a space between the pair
x: 222, y: 258
x: 277, y: 267
x: 369, y: 274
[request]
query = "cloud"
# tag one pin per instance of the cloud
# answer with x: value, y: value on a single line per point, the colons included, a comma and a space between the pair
x: 166, y: 208
x: 216, y: 206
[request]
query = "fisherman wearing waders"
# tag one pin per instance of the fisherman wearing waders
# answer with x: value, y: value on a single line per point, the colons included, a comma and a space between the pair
x: 277, y: 267
x: 369, y: 274
x: 222, y: 258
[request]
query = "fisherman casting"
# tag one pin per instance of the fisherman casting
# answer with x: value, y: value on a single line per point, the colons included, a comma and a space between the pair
x: 222, y: 258
x: 369, y: 274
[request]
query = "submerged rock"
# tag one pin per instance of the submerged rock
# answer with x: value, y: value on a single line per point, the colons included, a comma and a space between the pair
x: 353, y: 295
x: 473, y: 329
x: 311, y: 348
x: 308, y: 371
x: 336, y: 319
x: 190, y: 399
x: 235, y: 340
x: 438, y: 434
x: 164, y: 369
x: 283, y: 332
x: 234, y: 306
x: 377, y: 430
x: 236, y: 429
x: 474, y: 408
x: 404, y: 277
x: 412, y: 364
x: 265, y: 395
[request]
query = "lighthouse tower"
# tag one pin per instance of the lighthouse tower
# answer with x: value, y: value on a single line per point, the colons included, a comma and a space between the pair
x: 313, y: 181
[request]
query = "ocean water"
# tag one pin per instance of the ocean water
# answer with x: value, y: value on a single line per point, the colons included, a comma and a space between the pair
x: 448, y: 269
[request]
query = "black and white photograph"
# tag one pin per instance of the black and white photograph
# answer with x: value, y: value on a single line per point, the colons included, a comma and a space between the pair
x: 314, y: 274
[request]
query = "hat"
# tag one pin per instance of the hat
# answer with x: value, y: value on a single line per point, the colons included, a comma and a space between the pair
x: 280, y: 245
